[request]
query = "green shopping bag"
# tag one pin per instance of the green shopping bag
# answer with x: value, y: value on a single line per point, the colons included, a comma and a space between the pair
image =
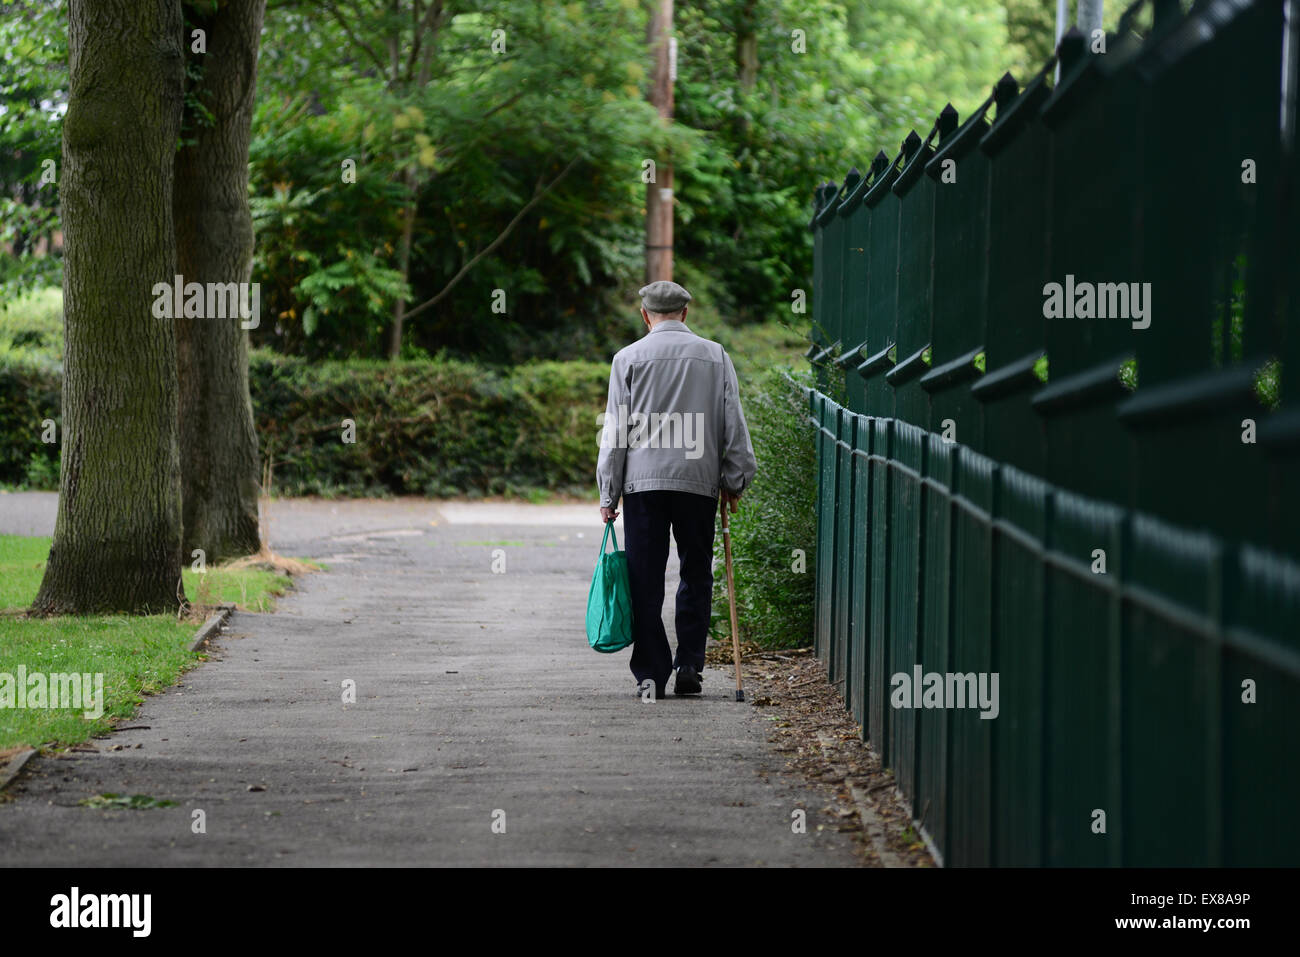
x: 609, y: 603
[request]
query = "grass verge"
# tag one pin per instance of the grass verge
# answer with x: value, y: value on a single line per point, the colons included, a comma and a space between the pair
x: 136, y: 655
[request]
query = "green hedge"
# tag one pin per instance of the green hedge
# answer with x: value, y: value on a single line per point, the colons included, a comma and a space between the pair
x: 436, y: 427
x: 777, y: 517
x: 30, y: 387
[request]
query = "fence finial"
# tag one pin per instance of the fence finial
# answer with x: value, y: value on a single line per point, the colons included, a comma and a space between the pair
x: 1005, y: 90
x: 947, y: 121
x: 1071, y: 49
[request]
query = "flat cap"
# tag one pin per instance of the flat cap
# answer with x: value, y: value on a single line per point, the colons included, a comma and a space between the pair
x: 664, y: 296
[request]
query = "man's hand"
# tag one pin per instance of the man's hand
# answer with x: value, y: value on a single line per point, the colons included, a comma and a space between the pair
x: 608, y: 514
x: 732, y: 499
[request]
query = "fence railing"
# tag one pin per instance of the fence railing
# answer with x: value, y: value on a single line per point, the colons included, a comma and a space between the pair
x: 1089, y: 490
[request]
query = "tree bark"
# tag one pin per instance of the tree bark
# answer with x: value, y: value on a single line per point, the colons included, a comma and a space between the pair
x: 117, y: 537
x: 746, y: 62
x: 403, y: 265
x: 214, y: 243
x: 421, y: 56
x: 747, y: 45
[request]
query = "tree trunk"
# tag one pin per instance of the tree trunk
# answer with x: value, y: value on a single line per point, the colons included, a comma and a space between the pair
x: 403, y: 265
x: 747, y: 46
x: 422, y: 49
x: 117, y: 538
x: 214, y: 243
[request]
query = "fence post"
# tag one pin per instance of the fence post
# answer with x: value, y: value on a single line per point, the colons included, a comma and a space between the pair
x: 1015, y: 362
x: 882, y: 290
x: 915, y: 279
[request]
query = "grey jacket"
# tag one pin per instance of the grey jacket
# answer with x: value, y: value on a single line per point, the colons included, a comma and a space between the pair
x: 673, y: 419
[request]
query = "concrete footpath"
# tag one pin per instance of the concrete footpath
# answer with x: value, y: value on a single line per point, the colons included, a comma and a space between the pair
x: 485, y: 731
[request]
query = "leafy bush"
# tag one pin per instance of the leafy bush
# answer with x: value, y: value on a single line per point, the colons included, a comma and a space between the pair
x: 431, y: 427
x: 434, y: 426
x: 30, y: 393
x: 32, y: 324
x: 774, y: 591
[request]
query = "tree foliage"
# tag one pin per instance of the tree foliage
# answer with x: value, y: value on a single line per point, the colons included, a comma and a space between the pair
x: 33, y: 98
x: 864, y: 77
x: 522, y: 98
x: 476, y: 165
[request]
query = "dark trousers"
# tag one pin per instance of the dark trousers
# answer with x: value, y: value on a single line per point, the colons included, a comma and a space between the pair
x: 647, y: 517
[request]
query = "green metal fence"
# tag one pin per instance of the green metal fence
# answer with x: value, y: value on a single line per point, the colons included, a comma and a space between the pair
x: 1102, y: 512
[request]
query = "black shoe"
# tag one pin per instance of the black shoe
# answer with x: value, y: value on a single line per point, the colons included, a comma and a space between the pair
x: 688, y: 681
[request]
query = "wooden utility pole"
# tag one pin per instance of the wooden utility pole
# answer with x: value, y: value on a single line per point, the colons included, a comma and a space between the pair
x: 659, y: 191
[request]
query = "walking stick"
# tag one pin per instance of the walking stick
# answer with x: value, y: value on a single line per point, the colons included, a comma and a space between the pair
x: 731, y: 598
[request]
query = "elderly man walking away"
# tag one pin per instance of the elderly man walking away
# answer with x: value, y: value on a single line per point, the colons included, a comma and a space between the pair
x: 674, y: 439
